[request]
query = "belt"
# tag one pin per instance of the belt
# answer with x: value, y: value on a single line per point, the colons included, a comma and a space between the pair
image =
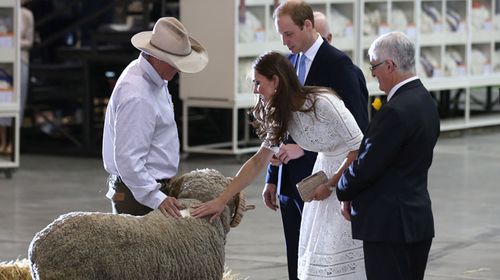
x: 118, y: 179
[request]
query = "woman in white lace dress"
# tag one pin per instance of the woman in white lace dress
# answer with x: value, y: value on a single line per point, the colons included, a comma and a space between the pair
x: 318, y: 121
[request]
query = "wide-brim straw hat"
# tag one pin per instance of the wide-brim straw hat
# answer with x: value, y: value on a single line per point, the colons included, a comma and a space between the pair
x: 169, y: 42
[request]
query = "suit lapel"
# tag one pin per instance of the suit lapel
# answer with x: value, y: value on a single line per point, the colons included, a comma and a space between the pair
x: 407, y: 86
x: 316, y: 64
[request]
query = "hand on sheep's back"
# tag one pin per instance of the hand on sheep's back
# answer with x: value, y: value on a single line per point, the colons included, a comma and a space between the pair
x: 214, y: 207
x: 170, y: 207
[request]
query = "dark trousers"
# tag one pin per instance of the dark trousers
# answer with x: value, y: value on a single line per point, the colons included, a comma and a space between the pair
x: 123, y: 201
x: 396, y: 261
x: 291, y: 214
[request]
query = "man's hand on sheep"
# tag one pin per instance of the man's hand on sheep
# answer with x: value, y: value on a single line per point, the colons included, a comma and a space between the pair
x: 170, y: 207
x: 269, y: 196
x: 214, y: 206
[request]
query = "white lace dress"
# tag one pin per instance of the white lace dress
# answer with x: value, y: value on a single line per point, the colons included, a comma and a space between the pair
x: 326, y: 247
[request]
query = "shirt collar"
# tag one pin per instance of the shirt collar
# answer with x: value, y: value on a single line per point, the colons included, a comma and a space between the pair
x: 311, y: 52
x: 151, y: 72
x: 400, y: 84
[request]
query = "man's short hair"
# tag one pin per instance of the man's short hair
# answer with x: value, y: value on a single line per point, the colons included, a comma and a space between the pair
x: 397, y: 47
x: 299, y: 12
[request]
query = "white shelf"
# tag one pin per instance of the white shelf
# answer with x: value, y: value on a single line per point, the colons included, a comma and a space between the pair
x: 344, y: 43
x: 431, y: 39
x: 7, y: 55
x: 242, y: 100
x: 453, y: 38
x: 481, y: 121
x: 454, y: 124
x: 473, y: 122
x: 258, y: 2
x: 482, y: 36
x: 485, y: 80
x: 8, y: 109
x: 445, y: 83
x: 8, y: 3
x: 255, y: 49
x: 10, y: 58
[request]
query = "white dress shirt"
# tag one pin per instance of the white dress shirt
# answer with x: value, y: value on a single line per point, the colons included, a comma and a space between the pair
x: 140, y: 141
x: 400, y: 84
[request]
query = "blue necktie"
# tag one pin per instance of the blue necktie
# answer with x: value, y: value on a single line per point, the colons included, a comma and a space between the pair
x: 302, y: 69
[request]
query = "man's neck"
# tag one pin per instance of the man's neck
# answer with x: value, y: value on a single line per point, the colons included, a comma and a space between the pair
x: 310, y: 42
x: 402, y: 77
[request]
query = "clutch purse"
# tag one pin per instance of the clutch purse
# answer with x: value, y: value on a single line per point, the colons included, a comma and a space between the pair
x: 307, y: 186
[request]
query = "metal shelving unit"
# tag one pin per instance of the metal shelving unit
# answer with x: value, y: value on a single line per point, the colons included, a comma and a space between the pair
x: 9, y: 94
x: 222, y: 84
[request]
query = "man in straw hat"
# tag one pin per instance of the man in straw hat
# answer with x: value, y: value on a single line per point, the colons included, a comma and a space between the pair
x: 140, y: 142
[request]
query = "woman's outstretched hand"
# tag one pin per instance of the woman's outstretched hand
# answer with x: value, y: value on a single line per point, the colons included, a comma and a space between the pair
x: 214, y: 207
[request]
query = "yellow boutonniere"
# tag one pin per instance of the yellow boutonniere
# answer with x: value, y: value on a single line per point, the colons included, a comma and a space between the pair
x: 377, y: 103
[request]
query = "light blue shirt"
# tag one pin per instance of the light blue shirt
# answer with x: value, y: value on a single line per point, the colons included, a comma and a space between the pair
x: 140, y: 141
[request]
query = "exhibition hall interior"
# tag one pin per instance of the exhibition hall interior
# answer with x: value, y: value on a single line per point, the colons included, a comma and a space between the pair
x: 55, y: 90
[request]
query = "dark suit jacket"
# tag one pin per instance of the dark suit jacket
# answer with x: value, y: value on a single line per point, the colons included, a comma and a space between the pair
x: 334, y: 69
x: 388, y: 182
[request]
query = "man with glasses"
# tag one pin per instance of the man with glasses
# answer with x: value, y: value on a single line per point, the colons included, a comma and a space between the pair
x: 391, y: 208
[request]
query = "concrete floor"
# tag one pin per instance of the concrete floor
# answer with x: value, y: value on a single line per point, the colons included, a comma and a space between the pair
x: 464, y: 186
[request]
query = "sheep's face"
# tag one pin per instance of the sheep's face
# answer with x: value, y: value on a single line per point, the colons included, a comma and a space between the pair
x: 205, y: 185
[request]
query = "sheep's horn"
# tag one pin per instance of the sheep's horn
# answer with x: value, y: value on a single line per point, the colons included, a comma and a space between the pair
x: 241, y: 206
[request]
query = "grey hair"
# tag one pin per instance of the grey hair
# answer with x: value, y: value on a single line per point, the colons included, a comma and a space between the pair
x: 397, y: 47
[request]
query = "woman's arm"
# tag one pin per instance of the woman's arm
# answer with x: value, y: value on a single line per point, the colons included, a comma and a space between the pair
x: 245, y: 176
x: 324, y: 190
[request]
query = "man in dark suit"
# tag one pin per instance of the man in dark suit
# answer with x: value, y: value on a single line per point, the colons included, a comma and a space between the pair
x: 391, y: 208
x: 325, y: 66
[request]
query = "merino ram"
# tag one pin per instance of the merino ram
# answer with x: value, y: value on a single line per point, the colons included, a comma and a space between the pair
x: 88, y: 245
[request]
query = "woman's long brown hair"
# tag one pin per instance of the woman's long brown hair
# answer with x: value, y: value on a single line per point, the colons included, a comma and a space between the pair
x: 274, y: 116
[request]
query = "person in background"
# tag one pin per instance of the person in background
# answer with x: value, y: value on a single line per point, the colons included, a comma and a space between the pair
x: 26, y: 35
x: 391, y: 207
x: 322, y: 26
x: 319, y: 121
x: 323, y: 65
x: 140, y: 141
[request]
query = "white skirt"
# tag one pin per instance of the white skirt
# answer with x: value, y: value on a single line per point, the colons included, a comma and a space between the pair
x: 326, y: 247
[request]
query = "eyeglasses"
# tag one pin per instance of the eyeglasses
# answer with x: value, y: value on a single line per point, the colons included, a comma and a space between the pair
x: 372, y: 67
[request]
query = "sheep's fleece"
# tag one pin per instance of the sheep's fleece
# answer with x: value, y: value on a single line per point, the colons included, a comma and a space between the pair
x: 84, y: 245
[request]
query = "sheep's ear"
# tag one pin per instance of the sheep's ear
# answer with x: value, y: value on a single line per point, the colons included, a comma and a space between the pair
x: 175, y: 186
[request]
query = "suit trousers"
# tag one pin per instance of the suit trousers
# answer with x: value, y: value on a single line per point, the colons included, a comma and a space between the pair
x: 123, y: 201
x: 401, y: 261
x: 291, y: 215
